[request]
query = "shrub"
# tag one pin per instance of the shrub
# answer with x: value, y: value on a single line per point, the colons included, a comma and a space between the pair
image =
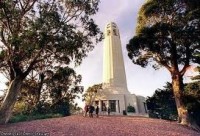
x: 18, y: 118
x: 130, y: 109
x: 42, y: 108
x: 23, y: 117
x: 191, y: 99
x: 19, y: 107
x: 162, y: 104
x: 61, y: 107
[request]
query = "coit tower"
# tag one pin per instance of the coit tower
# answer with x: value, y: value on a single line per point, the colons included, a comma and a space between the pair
x: 113, y: 64
x: 114, y: 94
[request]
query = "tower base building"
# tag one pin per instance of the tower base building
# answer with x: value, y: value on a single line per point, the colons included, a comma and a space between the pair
x: 119, y: 103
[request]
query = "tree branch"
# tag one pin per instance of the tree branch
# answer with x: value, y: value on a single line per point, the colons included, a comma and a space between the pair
x: 12, y: 75
x: 187, y: 61
x: 3, y: 40
x: 2, y: 37
x: 21, y: 5
x: 162, y: 62
x: 33, y: 62
x: 27, y: 8
x: 8, y: 21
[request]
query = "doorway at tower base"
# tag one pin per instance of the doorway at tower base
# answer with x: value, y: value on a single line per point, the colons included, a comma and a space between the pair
x: 117, y: 104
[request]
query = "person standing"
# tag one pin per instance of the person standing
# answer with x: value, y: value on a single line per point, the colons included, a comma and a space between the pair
x: 108, y: 111
x: 86, y: 109
x: 91, y: 110
x: 97, y: 111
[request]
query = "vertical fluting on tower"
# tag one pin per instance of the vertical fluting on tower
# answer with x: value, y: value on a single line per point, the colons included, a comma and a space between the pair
x: 113, y: 64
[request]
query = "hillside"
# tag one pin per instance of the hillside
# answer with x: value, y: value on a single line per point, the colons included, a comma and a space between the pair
x: 102, y: 126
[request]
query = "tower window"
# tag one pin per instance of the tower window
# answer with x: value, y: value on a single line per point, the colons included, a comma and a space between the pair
x: 103, y: 103
x: 108, y: 32
x: 112, y: 105
x: 113, y: 26
x: 114, y: 31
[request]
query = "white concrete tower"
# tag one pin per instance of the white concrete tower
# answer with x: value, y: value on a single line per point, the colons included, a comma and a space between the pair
x: 113, y: 64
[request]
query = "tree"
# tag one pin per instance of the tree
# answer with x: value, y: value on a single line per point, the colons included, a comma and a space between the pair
x: 60, y: 88
x: 63, y: 87
x: 162, y: 104
x: 91, y: 93
x: 31, y: 89
x: 167, y: 35
x: 39, y: 33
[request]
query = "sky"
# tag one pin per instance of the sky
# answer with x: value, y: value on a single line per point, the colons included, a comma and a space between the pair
x: 140, y: 81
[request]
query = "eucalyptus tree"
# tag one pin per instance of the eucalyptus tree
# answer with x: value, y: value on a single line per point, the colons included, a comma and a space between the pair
x: 63, y: 83
x: 168, y: 35
x: 62, y: 86
x: 39, y: 33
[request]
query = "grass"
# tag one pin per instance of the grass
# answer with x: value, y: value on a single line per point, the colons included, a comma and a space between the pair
x: 22, y: 117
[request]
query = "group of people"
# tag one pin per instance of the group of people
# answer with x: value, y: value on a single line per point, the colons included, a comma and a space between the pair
x: 90, y: 109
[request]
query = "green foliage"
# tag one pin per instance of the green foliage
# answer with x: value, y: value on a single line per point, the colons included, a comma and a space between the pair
x: 18, y: 118
x: 61, y: 87
x: 42, y: 110
x: 75, y: 109
x: 63, y: 83
x: 37, y: 37
x: 22, y: 117
x: 91, y: 93
x: 197, y: 77
x: 42, y: 107
x: 162, y: 104
x: 19, y: 108
x: 192, y: 100
x: 192, y: 96
x: 130, y: 109
x: 62, y: 107
x: 43, y: 33
x: 166, y: 36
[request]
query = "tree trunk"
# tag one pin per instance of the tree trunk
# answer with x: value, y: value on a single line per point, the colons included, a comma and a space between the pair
x: 10, y: 99
x: 38, y: 94
x: 178, y: 88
